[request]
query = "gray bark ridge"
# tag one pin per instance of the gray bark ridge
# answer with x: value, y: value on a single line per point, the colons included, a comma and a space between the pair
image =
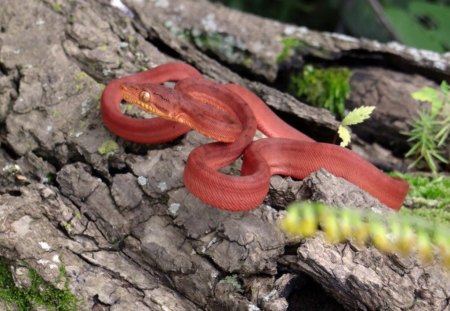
x: 128, y: 233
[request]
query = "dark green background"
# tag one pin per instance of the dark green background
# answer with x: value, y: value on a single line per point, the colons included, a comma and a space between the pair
x: 420, y: 23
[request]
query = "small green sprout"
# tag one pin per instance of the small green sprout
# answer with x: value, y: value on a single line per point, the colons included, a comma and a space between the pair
x: 356, y: 116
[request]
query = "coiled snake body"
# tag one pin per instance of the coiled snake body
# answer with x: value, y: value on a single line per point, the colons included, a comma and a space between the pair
x: 231, y: 114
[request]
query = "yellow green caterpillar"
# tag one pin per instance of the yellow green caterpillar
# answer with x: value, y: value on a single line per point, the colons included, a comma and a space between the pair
x: 397, y: 233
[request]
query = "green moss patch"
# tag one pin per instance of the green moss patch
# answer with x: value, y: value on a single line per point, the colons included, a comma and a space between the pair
x: 57, y: 7
x: 325, y: 88
x: 434, y: 190
x: 82, y: 79
x: 289, y: 46
x: 234, y: 281
x: 222, y: 45
x: 40, y: 293
x: 108, y: 148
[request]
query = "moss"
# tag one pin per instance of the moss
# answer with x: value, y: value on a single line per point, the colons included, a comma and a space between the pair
x: 79, y: 87
x: 218, y: 43
x: 132, y: 40
x: 428, y: 191
x: 56, y: 114
x: 325, y: 88
x: 233, y: 280
x: 143, y: 68
x: 9, y: 293
x: 63, y: 276
x: 247, y: 62
x: 67, y: 226
x: 40, y: 293
x: 127, y: 108
x: 82, y: 124
x: 211, y: 41
x: 49, y: 178
x: 80, y: 76
x: 71, y: 19
x: 57, y: 7
x: 289, y: 45
x: 108, y: 148
x: 81, y: 79
x: 103, y: 47
x: 224, y: 46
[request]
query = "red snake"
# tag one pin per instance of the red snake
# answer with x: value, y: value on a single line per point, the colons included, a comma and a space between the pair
x: 231, y: 114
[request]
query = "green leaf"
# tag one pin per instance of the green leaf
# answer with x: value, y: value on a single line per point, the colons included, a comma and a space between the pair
x: 429, y: 159
x: 426, y: 94
x: 412, y: 30
x: 413, y: 150
x: 358, y: 17
x: 443, y: 133
x: 439, y: 157
x: 344, y: 134
x: 289, y: 46
x: 358, y: 115
x: 433, y: 18
x: 432, y: 96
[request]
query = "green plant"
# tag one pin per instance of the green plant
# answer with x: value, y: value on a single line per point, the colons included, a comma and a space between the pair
x: 431, y: 129
x: 326, y: 88
x: 435, y: 188
x: 39, y: 293
x: 389, y: 233
x: 428, y: 191
x: 356, y: 116
x: 289, y: 45
x: 108, y: 147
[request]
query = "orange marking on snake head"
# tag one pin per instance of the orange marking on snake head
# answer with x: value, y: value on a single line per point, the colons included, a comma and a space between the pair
x: 153, y: 98
x: 199, y: 113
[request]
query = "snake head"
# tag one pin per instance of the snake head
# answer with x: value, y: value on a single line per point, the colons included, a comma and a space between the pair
x: 152, y: 98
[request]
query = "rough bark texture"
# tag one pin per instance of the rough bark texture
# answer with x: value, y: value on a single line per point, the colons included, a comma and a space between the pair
x: 128, y: 233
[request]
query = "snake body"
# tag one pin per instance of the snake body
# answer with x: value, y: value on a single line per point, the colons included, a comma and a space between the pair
x: 231, y: 114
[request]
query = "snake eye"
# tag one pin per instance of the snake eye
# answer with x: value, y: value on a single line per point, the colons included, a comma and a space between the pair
x: 144, y: 96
